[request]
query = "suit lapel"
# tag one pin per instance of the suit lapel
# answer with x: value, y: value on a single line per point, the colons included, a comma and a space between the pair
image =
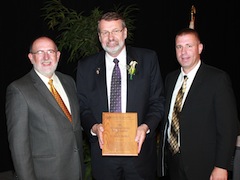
x: 196, y: 84
x: 99, y: 72
x: 42, y: 88
x: 71, y: 98
x: 132, y: 88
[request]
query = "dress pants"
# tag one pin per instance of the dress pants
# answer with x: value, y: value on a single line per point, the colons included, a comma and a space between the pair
x: 120, y: 168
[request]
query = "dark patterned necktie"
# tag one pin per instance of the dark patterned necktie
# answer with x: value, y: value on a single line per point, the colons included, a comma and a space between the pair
x: 175, y: 128
x: 115, y: 93
x: 59, y: 100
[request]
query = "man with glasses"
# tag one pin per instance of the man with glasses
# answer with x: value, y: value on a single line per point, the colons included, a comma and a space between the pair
x: 44, y: 143
x: 141, y: 92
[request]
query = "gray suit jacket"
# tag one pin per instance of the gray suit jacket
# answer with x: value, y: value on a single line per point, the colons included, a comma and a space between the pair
x: 44, y: 144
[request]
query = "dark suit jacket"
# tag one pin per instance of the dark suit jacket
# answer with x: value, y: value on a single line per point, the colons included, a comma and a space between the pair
x: 208, y: 122
x: 43, y: 143
x: 144, y: 96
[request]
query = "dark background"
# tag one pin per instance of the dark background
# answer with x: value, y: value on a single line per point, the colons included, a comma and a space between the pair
x: 156, y: 24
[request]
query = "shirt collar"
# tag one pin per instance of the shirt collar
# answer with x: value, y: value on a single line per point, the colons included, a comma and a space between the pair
x: 121, y: 57
x: 193, y: 72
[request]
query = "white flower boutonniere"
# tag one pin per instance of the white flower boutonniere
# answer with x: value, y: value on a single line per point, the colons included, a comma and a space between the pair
x: 132, y: 69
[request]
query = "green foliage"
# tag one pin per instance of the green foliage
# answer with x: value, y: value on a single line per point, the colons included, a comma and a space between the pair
x: 78, y: 33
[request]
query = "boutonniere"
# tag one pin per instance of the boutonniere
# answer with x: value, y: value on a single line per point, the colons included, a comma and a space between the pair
x: 132, y: 69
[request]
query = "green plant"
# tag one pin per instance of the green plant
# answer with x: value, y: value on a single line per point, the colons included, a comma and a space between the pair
x: 78, y: 33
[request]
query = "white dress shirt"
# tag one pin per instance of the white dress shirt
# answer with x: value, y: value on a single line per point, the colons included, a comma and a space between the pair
x: 58, y: 86
x: 122, y: 57
x: 178, y: 85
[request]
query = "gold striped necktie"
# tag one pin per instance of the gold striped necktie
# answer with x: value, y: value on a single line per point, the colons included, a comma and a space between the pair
x: 59, y: 100
x: 175, y: 128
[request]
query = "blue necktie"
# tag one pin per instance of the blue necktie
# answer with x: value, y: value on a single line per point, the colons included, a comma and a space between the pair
x: 115, y: 93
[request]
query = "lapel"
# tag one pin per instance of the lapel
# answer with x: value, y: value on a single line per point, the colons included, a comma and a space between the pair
x: 71, y: 97
x: 44, y: 91
x: 133, y: 85
x: 196, y: 84
x: 99, y: 74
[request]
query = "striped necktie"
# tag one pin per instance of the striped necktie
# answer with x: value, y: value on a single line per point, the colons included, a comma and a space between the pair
x: 59, y: 100
x: 175, y: 128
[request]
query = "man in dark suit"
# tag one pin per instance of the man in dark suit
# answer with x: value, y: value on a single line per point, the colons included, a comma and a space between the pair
x: 44, y: 143
x: 142, y: 92
x: 208, y: 119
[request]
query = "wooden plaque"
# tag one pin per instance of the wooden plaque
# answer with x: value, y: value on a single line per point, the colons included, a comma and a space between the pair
x: 119, y: 134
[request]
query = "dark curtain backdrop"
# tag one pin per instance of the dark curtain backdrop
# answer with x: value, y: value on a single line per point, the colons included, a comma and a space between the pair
x: 156, y: 25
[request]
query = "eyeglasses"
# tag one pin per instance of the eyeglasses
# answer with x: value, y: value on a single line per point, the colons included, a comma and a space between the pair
x: 114, y: 32
x: 41, y: 52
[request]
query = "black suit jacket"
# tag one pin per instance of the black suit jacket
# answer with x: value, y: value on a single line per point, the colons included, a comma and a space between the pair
x: 144, y: 96
x: 208, y: 123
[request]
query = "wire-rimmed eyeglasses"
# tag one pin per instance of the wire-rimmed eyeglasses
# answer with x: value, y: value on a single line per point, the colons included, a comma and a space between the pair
x: 42, y: 52
x: 114, y: 32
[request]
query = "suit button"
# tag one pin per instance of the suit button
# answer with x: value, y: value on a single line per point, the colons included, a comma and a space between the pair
x: 76, y: 149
